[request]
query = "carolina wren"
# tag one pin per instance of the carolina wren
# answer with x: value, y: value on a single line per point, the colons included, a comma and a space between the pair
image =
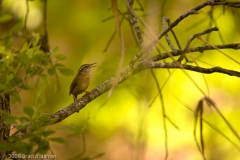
x: 81, y: 80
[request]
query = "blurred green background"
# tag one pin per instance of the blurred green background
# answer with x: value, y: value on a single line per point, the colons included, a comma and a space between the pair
x: 125, y: 127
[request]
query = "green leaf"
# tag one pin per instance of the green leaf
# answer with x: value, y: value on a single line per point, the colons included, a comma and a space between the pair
x: 19, y: 26
x: 2, y: 48
x: 6, y: 146
x: 14, y: 138
x: 3, y: 88
x: 44, y: 79
x: 60, y: 56
x: 66, y: 71
x: 15, y: 97
x: 9, y: 119
x: 43, y: 146
x: 24, y: 119
x: 59, y: 65
x: 38, y: 57
x: 25, y: 86
x: 8, y: 58
x: 47, y: 133
x: 29, y: 111
x: 5, y: 18
x: 55, y: 49
x: 23, y: 59
x: 3, y: 79
x: 21, y: 147
x: 40, y: 96
x: 20, y: 127
x: 24, y: 48
x: 15, y: 81
x: 51, y: 71
x: 35, y: 40
x: 57, y: 139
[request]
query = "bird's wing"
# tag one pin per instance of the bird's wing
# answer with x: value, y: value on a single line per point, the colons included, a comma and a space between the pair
x: 73, y: 85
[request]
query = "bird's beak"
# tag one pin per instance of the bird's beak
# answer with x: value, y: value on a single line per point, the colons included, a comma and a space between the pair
x: 93, y: 65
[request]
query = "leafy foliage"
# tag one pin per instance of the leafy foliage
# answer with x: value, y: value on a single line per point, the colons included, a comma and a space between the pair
x: 18, y: 66
x: 22, y: 61
x: 36, y: 142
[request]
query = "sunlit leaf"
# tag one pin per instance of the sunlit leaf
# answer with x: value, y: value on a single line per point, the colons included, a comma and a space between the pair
x: 8, y: 58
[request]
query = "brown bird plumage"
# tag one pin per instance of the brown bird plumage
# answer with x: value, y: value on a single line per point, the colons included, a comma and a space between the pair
x: 81, y: 80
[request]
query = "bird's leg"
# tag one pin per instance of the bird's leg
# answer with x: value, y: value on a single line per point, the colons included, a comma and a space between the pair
x: 74, y: 98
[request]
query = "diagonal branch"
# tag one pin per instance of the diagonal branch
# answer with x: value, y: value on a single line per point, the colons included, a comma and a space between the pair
x: 126, y: 73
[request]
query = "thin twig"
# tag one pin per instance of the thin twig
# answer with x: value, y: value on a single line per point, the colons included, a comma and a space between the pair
x: 174, y: 35
x: 135, y: 23
x: 165, y: 19
x: 164, y: 84
x: 196, y: 49
x: 111, y: 38
x: 220, y: 50
x: 198, y: 115
x: 197, y: 68
x: 192, y: 38
x: 26, y: 16
x: 209, y: 124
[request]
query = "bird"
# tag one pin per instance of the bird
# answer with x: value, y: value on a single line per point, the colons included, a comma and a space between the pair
x: 81, y: 81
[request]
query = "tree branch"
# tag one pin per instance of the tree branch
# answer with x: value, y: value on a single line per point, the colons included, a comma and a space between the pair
x: 126, y: 73
x: 195, y: 49
x: 178, y: 20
